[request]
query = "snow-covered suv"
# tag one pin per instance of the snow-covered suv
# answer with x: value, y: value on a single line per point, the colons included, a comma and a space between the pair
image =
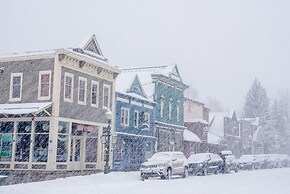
x: 164, y: 165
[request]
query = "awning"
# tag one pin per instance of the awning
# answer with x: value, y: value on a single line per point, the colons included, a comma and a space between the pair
x: 23, y: 108
x: 189, y: 136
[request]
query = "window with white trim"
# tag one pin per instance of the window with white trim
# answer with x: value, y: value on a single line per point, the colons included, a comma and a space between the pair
x: 162, y: 106
x: 44, y: 85
x: 125, y: 116
x: 95, y: 94
x: 177, y: 111
x: 147, y: 119
x: 106, y: 96
x: 136, y: 119
x: 16, y: 87
x: 170, y: 109
x: 82, y: 92
x: 68, y: 87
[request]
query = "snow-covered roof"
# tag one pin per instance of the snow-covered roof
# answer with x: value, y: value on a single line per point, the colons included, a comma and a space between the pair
x: 196, y: 121
x: 23, y: 108
x: 89, y: 48
x: 125, y: 79
x: 254, y: 121
x: 124, y: 82
x: 29, y: 53
x: 145, y: 76
x: 216, y: 127
x: 190, y: 136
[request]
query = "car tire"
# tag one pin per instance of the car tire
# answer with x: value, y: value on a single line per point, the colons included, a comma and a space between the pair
x: 169, y: 174
x: 185, y: 173
x: 237, y: 169
x: 204, y: 173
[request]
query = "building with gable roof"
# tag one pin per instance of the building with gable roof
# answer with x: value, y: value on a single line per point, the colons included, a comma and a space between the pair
x: 134, y: 123
x: 164, y: 86
x: 224, y: 133
x: 52, y: 108
x: 196, y: 117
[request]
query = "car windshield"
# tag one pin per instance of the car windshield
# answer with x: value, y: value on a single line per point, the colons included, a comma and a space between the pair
x: 160, y: 156
x: 197, y: 158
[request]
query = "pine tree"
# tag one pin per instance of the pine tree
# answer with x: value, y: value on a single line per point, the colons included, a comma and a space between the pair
x: 257, y: 103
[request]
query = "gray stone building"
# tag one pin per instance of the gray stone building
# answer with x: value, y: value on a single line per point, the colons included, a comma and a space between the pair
x: 52, y: 108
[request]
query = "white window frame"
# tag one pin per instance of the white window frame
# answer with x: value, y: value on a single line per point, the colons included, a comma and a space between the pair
x: 177, y: 110
x: 147, y: 119
x: 137, y: 119
x: 85, y: 91
x: 170, y: 108
x: 123, y: 121
x: 11, y: 99
x: 109, y: 96
x: 39, y: 85
x: 72, y: 86
x: 162, y: 102
x: 93, y: 82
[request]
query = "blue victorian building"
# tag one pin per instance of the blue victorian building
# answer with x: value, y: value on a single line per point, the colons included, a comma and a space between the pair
x: 134, y: 124
x: 164, y: 86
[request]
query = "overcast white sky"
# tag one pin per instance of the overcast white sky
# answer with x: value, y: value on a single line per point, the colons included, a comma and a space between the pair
x: 219, y: 45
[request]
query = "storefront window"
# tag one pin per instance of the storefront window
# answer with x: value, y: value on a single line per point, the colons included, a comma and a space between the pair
x: 118, y: 150
x: 41, y: 137
x: 78, y: 150
x: 62, y: 142
x: 6, y: 139
x: 91, y: 143
x: 23, y: 140
x: 91, y: 149
x: 77, y: 129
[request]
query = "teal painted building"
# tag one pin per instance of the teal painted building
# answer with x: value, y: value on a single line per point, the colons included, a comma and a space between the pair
x: 134, y: 124
x: 164, y: 85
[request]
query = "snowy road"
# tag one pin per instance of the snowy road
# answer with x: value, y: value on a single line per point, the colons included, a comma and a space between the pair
x: 248, y: 182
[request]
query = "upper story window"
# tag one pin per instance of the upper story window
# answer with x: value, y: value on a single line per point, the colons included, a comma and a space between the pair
x: 170, y: 108
x: 178, y: 111
x: 95, y: 94
x: 147, y: 119
x: 68, y: 87
x: 162, y: 106
x: 82, y: 93
x: 136, y: 119
x: 106, y: 96
x: 125, y: 116
x: 44, y: 85
x: 16, y: 87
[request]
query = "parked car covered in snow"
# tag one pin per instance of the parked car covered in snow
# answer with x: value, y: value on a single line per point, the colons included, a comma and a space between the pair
x: 164, y: 165
x: 247, y: 162
x: 204, y: 163
x: 231, y: 161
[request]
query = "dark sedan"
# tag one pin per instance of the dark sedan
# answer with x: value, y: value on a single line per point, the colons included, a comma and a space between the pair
x: 204, y: 163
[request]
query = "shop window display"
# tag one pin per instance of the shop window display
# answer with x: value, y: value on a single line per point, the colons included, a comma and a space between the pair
x: 6, y: 139
x: 23, y: 140
x: 41, y: 138
x: 62, y: 142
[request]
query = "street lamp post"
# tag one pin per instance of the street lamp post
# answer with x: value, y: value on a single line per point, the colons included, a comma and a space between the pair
x: 106, y: 137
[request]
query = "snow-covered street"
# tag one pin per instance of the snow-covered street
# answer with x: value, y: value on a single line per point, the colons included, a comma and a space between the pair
x: 250, y: 182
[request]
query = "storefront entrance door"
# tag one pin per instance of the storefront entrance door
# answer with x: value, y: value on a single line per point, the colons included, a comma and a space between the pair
x: 76, y: 159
